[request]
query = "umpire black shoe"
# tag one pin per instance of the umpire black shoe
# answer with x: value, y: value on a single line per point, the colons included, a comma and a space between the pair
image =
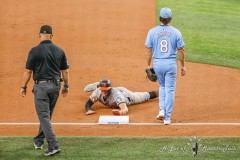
x: 52, y: 152
x: 38, y: 146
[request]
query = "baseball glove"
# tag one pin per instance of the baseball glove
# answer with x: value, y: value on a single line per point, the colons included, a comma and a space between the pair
x: 117, y: 112
x: 151, y: 74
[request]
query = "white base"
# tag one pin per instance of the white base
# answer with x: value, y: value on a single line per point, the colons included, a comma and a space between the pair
x: 113, y: 120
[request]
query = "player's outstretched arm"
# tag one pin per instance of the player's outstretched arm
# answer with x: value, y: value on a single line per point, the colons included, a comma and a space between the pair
x: 89, y: 112
x: 123, y: 109
x: 88, y: 107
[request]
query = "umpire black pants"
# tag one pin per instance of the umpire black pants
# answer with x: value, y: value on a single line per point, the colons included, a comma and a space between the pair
x: 45, y: 98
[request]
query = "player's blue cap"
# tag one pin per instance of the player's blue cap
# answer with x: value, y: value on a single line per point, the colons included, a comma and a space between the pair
x: 165, y: 13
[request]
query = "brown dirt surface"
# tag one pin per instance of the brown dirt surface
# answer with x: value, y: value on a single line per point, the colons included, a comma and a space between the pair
x: 101, y: 39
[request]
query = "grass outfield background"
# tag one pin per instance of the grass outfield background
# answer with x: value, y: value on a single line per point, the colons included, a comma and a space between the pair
x: 127, y: 148
x: 210, y: 29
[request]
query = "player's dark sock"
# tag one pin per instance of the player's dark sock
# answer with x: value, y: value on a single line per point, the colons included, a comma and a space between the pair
x: 152, y: 95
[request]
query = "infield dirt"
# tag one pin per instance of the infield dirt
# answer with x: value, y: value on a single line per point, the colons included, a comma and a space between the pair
x: 101, y: 39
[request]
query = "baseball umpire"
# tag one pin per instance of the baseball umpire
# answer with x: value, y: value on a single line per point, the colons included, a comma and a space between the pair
x: 47, y: 62
x: 118, y: 97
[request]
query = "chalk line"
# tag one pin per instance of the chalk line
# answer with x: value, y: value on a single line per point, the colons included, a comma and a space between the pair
x: 135, y: 124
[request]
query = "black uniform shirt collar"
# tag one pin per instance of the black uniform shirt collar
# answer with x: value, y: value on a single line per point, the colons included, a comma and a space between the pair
x: 46, y: 41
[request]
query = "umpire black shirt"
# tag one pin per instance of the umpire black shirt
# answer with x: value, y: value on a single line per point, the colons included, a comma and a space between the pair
x: 46, y: 60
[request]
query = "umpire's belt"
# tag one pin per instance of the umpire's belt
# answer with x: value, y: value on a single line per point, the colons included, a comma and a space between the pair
x: 44, y: 81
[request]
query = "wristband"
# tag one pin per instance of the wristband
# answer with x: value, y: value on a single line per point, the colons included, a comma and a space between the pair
x: 24, y: 87
x: 66, y: 86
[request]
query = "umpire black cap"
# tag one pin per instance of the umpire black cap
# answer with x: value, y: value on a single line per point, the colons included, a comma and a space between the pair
x: 46, y: 29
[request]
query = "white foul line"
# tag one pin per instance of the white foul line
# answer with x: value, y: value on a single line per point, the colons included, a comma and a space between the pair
x: 135, y: 124
x: 188, y: 124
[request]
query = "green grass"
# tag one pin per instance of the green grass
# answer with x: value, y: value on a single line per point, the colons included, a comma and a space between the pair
x: 210, y: 28
x: 132, y: 148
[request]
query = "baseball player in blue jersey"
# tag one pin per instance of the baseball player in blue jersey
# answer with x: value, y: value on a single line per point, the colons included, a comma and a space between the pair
x: 163, y: 42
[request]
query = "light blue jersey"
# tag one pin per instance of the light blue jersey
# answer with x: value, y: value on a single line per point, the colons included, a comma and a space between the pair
x: 164, y: 40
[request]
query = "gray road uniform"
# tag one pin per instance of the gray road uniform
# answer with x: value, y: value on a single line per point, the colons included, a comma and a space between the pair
x: 119, y: 95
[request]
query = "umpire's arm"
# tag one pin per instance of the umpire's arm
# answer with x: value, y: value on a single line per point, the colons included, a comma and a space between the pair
x: 26, y: 77
x: 65, y: 76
